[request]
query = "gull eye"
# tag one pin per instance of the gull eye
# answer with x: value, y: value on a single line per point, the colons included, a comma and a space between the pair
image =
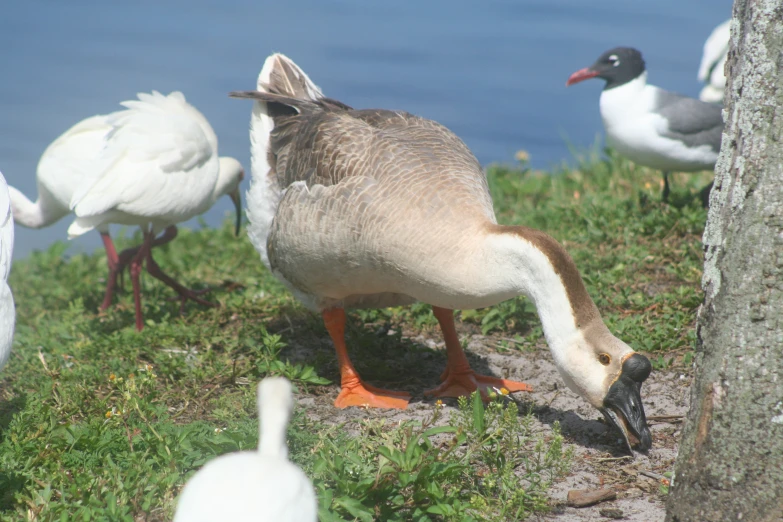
x: 614, y: 60
x: 604, y: 359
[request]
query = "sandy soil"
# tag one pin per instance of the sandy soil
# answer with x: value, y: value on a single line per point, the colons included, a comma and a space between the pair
x: 600, y: 457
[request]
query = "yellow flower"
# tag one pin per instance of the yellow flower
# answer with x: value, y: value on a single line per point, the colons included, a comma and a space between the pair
x: 112, y: 376
x: 109, y: 414
x: 504, y: 391
x: 522, y: 156
x: 439, y: 403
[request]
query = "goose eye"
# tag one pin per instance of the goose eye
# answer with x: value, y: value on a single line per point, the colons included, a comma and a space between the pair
x: 604, y: 359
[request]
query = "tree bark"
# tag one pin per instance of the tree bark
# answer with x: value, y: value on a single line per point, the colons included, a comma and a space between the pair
x: 730, y: 464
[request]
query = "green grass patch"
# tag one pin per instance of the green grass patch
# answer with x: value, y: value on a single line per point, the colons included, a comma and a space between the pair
x: 99, y: 422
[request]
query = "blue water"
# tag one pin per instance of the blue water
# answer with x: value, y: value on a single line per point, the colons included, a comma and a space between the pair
x: 492, y: 71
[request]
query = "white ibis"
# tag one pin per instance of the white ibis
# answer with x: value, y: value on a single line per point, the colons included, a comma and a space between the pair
x: 158, y: 167
x: 713, y: 63
x: 7, y: 310
x: 63, y: 167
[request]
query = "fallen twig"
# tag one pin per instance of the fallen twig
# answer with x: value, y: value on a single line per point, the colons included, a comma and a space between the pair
x: 43, y: 361
x: 666, y: 418
x: 652, y: 475
x: 588, y: 497
x: 610, y: 459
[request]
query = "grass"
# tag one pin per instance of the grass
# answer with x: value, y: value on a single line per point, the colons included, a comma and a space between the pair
x: 98, y: 422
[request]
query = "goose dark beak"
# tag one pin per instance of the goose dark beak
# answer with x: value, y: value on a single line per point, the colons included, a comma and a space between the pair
x: 623, y: 406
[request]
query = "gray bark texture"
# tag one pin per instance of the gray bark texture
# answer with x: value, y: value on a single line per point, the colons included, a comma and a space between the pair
x: 730, y: 464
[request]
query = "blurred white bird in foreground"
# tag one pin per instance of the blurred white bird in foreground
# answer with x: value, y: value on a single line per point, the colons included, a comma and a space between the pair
x: 258, y: 486
x: 159, y: 167
x: 7, y: 310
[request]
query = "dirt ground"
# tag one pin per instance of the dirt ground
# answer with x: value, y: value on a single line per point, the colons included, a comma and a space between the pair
x: 600, y: 458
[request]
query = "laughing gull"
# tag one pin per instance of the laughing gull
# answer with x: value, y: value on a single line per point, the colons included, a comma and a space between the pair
x: 713, y: 62
x: 651, y: 126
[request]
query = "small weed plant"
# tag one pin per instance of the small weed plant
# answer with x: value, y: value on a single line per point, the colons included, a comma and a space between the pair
x: 486, y: 464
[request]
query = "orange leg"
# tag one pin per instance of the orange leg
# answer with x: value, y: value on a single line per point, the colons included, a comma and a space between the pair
x: 354, y: 391
x: 459, y: 378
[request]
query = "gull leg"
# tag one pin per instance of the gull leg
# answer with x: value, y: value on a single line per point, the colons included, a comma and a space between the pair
x: 665, y: 193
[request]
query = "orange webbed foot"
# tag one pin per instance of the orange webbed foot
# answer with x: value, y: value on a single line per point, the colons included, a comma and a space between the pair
x: 457, y: 384
x: 360, y: 394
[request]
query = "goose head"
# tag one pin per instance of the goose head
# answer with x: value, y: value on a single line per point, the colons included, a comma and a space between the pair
x: 594, y: 364
x: 609, y: 375
x: 230, y: 176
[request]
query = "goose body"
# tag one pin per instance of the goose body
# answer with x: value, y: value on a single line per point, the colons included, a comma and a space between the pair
x: 254, y: 486
x: 158, y: 167
x: 7, y: 310
x: 372, y: 208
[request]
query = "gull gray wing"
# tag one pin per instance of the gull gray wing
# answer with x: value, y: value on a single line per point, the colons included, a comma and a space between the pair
x: 691, y: 121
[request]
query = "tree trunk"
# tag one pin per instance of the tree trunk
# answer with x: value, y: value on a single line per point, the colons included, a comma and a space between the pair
x: 730, y: 465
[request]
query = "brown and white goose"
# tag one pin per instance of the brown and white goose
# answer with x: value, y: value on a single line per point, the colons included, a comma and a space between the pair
x: 375, y: 208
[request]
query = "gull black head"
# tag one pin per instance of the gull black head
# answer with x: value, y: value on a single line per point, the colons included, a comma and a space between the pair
x: 622, y: 405
x: 616, y: 66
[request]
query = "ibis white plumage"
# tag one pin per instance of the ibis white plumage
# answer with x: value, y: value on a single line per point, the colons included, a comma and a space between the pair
x: 63, y: 167
x: 258, y: 486
x: 158, y: 167
x: 7, y: 310
x: 713, y: 64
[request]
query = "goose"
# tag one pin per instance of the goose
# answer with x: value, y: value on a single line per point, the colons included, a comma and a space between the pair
x: 649, y: 125
x: 713, y: 64
x: 63, y: 167
x: 7, y: 310
x: 257, y: 486
x: 375, y: 208
x: 158, y: 167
